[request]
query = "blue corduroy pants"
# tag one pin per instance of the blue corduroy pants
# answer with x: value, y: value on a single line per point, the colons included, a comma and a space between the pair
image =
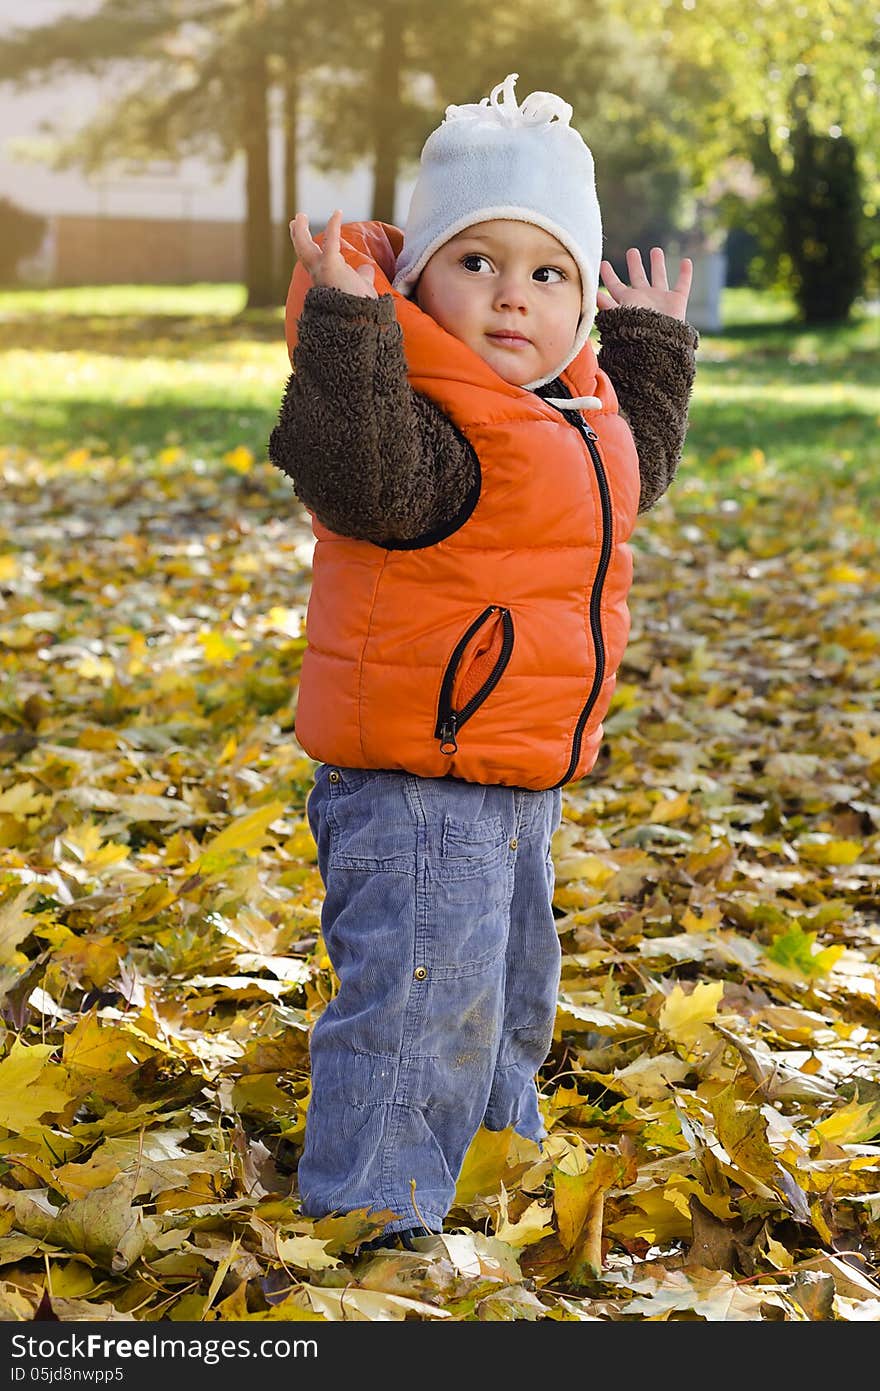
x: 438, y: 920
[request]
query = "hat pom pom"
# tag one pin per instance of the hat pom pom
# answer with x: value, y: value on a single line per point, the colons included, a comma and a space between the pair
x: 537, y: 109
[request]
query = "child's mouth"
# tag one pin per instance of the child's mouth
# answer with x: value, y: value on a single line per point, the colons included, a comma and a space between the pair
x: 510, y: 340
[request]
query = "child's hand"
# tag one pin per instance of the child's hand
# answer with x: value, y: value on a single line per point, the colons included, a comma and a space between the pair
x: 326, y: 264
x: 640, y: 294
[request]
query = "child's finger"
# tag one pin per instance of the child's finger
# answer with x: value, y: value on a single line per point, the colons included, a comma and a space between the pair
x: 685, y: 276
x: 303, y: 244
x: 609, y: 275
x: 331, y: 231
x: 636, y: 269
x: 658, y: 269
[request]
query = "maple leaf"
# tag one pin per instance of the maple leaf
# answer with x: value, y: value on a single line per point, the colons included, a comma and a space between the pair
x: 104, y: 1225
x: 30, y: 1086
x: 684, y: 1015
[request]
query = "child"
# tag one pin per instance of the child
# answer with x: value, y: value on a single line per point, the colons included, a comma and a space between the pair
x: 473, y: 473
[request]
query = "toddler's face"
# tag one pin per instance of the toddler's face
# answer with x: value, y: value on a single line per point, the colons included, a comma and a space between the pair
x: 510, y: 291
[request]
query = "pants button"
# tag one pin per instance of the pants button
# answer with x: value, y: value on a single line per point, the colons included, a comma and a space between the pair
x: 421, y: 973
x: 513, y: 842
x: 334, y: 776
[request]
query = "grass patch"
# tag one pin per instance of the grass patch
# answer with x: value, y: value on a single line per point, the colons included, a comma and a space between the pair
x: 135, y: 368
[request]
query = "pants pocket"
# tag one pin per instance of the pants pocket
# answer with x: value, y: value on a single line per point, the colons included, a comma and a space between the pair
x: 468, y: 884
x: 371, y: 827
x: 470, y: 849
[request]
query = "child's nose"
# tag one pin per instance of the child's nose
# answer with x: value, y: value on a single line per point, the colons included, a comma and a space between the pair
x: 510, y: 293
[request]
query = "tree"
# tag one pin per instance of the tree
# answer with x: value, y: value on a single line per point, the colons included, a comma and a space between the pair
x: 782, y: 89
x: 202, y: 71
x: 821, y: 217
x: 396, y: 66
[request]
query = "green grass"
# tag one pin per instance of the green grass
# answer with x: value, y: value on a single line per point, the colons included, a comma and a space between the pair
x: 114, y: 301
x: 125, y: 368
x: 132, y: 368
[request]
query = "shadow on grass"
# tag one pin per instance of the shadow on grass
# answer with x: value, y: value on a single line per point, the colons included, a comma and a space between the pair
x: 51, y: 427
x: 140, y: 335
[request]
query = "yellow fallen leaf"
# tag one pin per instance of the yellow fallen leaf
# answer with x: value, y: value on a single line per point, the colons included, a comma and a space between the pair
x: 15, y: 925
x: 867, y: 745
x: 854, y: 1124
x: 99, y: 668
x: 85, y: 842
x: 95, y: 1048
x: 652, y: 1077
x: 778, y: 1255
x: 218, y: 648
x: 578, y: 1018
x: 708, y: 919
x: 103, y: 1225
x: 79, y: 1179
x: 682, y: 1016
x: 830, y: 852
x: 240, y: 458
x: 30, y: 1086
x: 22, y: 799
x: 590, y: 867
x: 9, y: 567
x: 228, y: 750
x: 671, y: 808
x: 843, y: 573
x: 657, y: 1220
x: 246, y: 832
x: 578, y: 1200
x: 77, y: 459
x: 306, y: 1253
x: 534, y: 1223
x: 492, y: 1156
x: 283, y: 620
x: 369, y: 1306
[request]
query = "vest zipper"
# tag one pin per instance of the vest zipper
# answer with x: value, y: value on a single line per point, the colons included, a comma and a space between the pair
x: 591, y: 437
x: 450, y: 721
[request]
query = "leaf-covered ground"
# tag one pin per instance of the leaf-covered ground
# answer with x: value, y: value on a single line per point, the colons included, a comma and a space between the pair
x: 713, y: 1091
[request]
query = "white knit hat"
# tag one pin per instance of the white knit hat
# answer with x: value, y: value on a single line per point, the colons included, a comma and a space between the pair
x: 496, y: 159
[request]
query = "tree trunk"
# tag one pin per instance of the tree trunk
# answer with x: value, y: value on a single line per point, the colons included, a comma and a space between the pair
x: 290, y: 181
x: 386, y: 109
x: 259, y: 259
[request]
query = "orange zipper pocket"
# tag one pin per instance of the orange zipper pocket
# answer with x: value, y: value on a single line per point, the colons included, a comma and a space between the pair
x: 472, y: 672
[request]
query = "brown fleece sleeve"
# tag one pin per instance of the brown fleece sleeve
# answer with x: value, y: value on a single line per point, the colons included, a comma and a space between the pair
x: 651, y: 360
x: 372, y: 458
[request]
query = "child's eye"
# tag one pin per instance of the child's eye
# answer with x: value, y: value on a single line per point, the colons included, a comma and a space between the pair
x: 472, y: 256
x: 548, y: 271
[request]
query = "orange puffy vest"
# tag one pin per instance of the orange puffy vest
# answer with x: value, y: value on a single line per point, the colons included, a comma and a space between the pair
x: 490, y: 655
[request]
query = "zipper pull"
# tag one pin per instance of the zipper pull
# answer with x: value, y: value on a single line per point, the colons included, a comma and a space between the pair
x: 448, y: 744
x: 590, y: 432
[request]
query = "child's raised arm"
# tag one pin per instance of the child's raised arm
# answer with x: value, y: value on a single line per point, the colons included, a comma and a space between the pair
x: 369, y: 456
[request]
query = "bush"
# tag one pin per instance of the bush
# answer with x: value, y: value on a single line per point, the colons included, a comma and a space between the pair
x: 821, y: 206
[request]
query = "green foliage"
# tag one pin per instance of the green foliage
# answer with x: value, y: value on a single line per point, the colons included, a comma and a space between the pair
x: 821, y: 206
x: 794, y: 96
